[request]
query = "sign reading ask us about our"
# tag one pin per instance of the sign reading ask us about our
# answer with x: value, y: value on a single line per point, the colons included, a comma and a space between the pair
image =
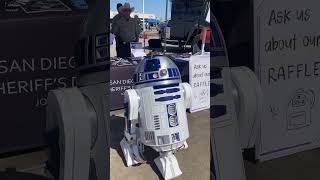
x: 199, y: 79
x: 287, y: 62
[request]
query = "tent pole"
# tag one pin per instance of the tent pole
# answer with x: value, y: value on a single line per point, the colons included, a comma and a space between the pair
x: 165, y: 29
x: 144, y: 26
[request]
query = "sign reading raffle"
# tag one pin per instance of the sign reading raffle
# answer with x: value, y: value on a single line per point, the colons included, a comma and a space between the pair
x: 287, y: 61
x: 199, y: 79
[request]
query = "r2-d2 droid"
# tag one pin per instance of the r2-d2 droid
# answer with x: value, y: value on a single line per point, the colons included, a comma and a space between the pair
x: 156, y: 114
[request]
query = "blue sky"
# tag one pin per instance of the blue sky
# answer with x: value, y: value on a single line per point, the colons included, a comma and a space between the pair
x: 157, y: 7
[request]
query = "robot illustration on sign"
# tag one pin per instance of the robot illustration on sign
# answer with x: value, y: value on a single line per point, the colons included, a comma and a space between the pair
x: 299, y: 109
x: 156, y: 114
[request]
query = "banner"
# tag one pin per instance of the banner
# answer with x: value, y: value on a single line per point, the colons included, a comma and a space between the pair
x: 37, y: 55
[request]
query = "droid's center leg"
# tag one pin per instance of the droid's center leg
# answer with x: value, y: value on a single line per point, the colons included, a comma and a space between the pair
x: 168, y: 165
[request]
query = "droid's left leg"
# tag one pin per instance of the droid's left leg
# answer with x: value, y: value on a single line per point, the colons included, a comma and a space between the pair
x: 168, y: 165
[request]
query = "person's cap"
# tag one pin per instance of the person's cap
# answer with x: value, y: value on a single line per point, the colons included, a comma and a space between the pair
x: 126, y: 6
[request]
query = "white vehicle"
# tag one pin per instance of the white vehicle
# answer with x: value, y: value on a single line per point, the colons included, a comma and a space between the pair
x: 236, y: 110
x: 77, y: 124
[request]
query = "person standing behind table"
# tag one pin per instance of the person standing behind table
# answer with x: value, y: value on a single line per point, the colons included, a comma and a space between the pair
x: 136, y: 17
x: 116, y: 18
x: 127, y: 30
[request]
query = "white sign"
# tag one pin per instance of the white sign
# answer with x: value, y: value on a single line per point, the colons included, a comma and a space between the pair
x: 199, y: 79
x: 287, y: 61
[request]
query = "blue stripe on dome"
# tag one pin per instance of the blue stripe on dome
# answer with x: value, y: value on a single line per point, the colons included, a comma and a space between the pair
x: 170, y: 72
x: 174, y: 72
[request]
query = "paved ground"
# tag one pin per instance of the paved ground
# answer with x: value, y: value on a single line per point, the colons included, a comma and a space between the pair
x: 301, y: 166
x: 194, y: 161
x: 31, y: 162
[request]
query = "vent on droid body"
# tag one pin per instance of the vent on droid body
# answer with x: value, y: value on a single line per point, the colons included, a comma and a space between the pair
x: 156, y: 122
x: 173, y: 121
x: 172, y: 109
x: 172, y: 115
x: 149, y: 137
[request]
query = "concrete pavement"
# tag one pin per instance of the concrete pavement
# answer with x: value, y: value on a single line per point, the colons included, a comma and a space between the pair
x: 300, y: 166
x: 194, y: 162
